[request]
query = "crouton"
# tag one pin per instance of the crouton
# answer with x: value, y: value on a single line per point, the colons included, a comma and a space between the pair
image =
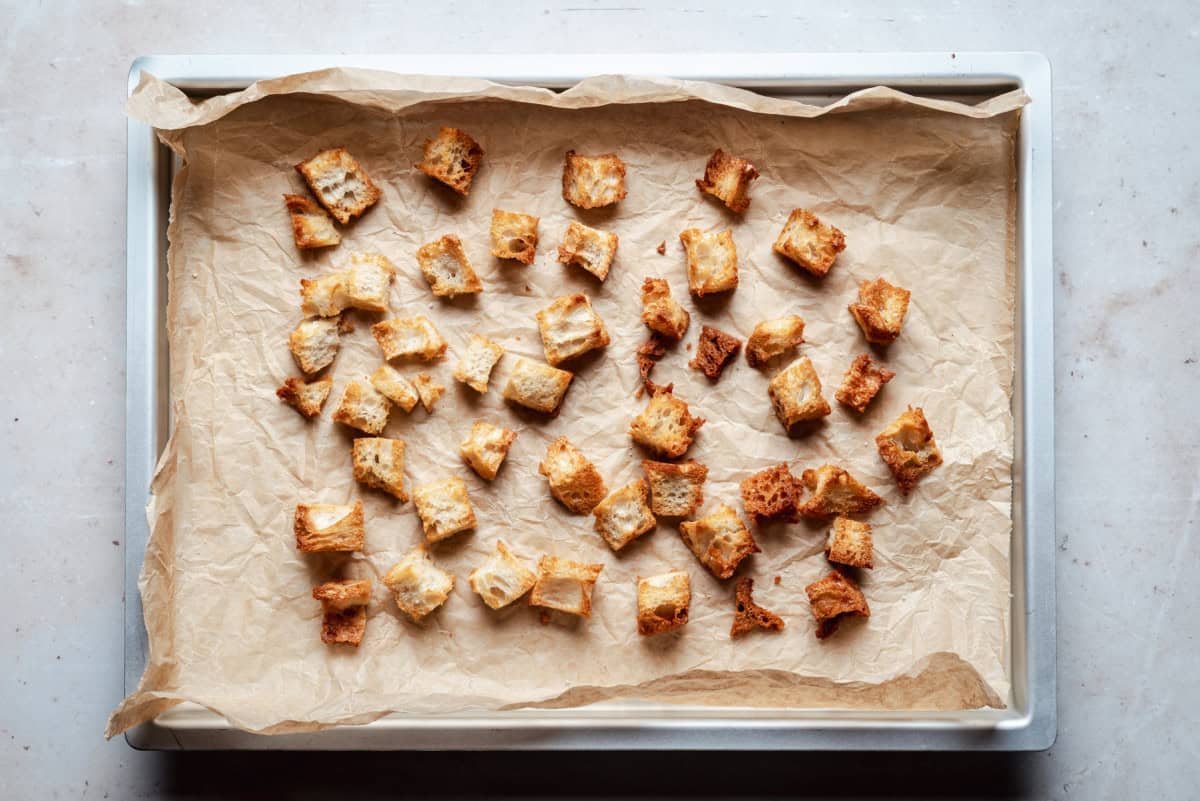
x: 711, y: 261
x: 835, y: 492
x: 420, y: 586
x: 660, y: 312
x: 314, y: 344
x: 569, y: 328
x: 344, y: 610
x: 444, y: 508
x: 447, y: 269
x: 908, y: 448
x: 428, y: 390
x: 720, y: 541
x: 588, y: 248
x: 365, y: 284
x: 565, y: 586
x: 714, y: 349
x: 662, y: 602
x: 880, y: 310
x: 485, y: 447
x: 862, y: 383
x: 453, y: 158
x: 590, y: 182
x: 833, y: 598
x: 339, y: 183
x: 772, y: 338
x: 728, y: 179
x: 502, y: 579
x: 809, y: 242
x: 390, y: 384
x: 796, y: 394
x: 308, y: 399
x: 409, y: 338
x: 676, y: 490
x: 475, y: 367
x: 311, y: 225
x: 363, y: 408
x: 772, y: 494
x: 849, y: 543
x: 666, y: 426
x: 648, y: 354
x: 537, y: 386
x: 327, y: 527
x: 747, y: 615
x: 624, y: 516
x: 574, y: 481
x: 514, y: 236
x: 379, y: 463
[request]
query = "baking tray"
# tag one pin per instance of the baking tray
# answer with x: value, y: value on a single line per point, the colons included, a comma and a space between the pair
x: 1029, y: 722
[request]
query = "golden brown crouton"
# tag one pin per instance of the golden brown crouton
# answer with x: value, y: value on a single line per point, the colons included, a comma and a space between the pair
x: 666, y: 426
x: 861, y: 383
x: 574, y: 481
x: 539, y: 387
x: 648, y: 354
x: 772, y: 338
x: 833, y: 597
x: 569, y: 328
x: 590, y: 182
x: 711, y: 261
x: 311, y: 226
x: 365, y: 284
x: 624, y: 516
x: 379, y: 463
x: 453, y: 158
x: 409, y: 338
x: 447, y: 269
x: 662, y: 602
x: 728, y: 178
x: 475, y: 367
x: 444, y: 508
x: 485, y: 448
x: 419, y: 586
x: 588, y: 248
x: 660, y: 312
x: 676, y: 490
x: 747, y: 615
x: 502, y: 579
x: 880, y: 310
x: 796, y: 394
x: 908, y: 448
x: 835, y: 492
x: 308, y: 399
x: 514, y: 236
x: 390, y: 384
x: 314, y: 344
x: 720, y: 541
x: 565, y: 586
x: 713, y: 351
x: 363, y: 408
x: 849, y: 543
x: 809, y: 242
x: 772, y: 494
x: 428, y: 391
x: 339, y: 183
x: 344, y: 610
x: 327, y: 527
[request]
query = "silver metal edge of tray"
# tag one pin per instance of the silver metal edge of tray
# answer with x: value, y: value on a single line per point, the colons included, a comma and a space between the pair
x: 1029, y: 725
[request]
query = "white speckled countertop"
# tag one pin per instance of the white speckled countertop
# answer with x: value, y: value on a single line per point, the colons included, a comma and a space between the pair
x: 1127, y: 256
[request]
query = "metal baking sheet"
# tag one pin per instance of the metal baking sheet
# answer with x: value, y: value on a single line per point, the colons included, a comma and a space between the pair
x: 1030, y: 721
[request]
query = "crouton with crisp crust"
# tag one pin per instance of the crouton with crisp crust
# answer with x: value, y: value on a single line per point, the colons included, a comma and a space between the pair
x: 379, y: 463
x: 849, y: 543
x: 908, y: 448
x: 538, y: 387
x: 306, y: 398
x: 666, y: 426
x: 574, y: 481
x: 363, y: 408
x: 676, y: 490
x: 409, y: 338
x: 662, y: 602
x: 862, y: 383
x: 711, y: 261
x: 314, y: 344
x: 447, y: 269
x: 772, y: 494
x: 590, y: 182
x: 796, y: 394
x: 395, y: 387
x: 880, y: 310
x: 475, y: 367
x: 660, y: 312
x: 502, y: 579
x: 588, y: 248
x: 419, y: 585
x: 648, y: 354
x: 453, y: 158
x: 714, y: 350
x: 809, y: 242
x: 444, y: 508
x: 339, y: 182
x: 835, y: 492
x: 428, y: 390
x: 323, y: 527
x: 485, y: 448
x: 565, y: 586
x: 514, y: 236
x: 832, y: 598
x: 772, y: 338
x: 365, y: 284
x: 728, y: 179
x: 747, y: 615
x: 311, y: 225
x: 344, y: 610
x: 624, y: 515
x: 570, y: 327
x: 720, y: 541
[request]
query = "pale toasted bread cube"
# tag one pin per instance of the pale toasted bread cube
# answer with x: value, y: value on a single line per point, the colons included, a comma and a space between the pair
x: 344, y: 610
x: 339, y: 182
x: 379, y: 463
x: 720, y: 541
x: 314, y: 344
x: 363, y: 285
x: 569, y: 328
x: 908, y: 448
x: 772, y: 338
x: 444, y: 508
x: 590, y: 182
x: 453, y: 158
x: 728, y: 178
x: 395, y: 387
x: 809, y: 242
x: 849, y: 543
x: 666, y: 426
x: 308, y: 399
x: 796, y: 394
x: 409, y: 338
x: 880, y: 310
x: 565, y: 585
x: 711, y: 261
x: 328, y: 527
x: 539, y: 387
x: 747, y: 615
x: 475, y: 367
x: 833, y: 598
x: 574, y: 481
x: 502, y: 579
x: 660, y: 312
x: 714, y: 349
x: 772, y: 494
x: 588, y: 248
x: 428, y: 390
x: 676, y: 490
x: 485, y: 448
x: 662, y: 602
x: 311, y: 226
x: 447, y: 269
x: 862, y: 383
x: 624, y: 515
x: 419, y: 585
x: 363, y: 408
x: 835, y: 492
x: 514, y: 236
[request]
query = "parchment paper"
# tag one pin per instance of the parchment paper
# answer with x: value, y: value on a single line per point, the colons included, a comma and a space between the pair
x: 924, y: 191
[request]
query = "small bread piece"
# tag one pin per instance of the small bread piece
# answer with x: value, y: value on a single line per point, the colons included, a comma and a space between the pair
x: 428, y: 390
x: 648, y: 354
x: 365, y: 284
x: 419, y: 586
x: 711, y: 261
x: 908, y: 448
x: 539, y: 387
x: 666, y: 426
x: 880, y: 310
x: 475, y: 367
x: 409, y: 338
x: 395, y: 387
x: 660, y: 312
x: 502, y: 579
x: 379, y: 463
x: 306, y: 398
x: 772, y: 338
x: 676, y: 490
x: 514, y: 236
x: 720, y: 541
x: 662, y: 602
x: 809, y: 242
x: 328, y: 527
x: 574, y: 481
x: 588, y: 248
x: 446, y: 267
x: 796, y: 394
x: 714, y: 350
x: 772, y: 494
x: 728, y: 178
x: 363, y: 408
x: 565, y: 586
x: 485, y: 448
x: 747, y: 615
x: 314, y: 344
x: 862, y: 383
x: 570, y: 327
x: 339, y: 183
x: 835, y: 492
x: 624, y: 515
x: 833, y: 597
x: 590, y: 182
x: 311, y: 226
x: 849, y: 543
x: 444, y: 508
x: 344, y: 610
x: 453, y: 158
